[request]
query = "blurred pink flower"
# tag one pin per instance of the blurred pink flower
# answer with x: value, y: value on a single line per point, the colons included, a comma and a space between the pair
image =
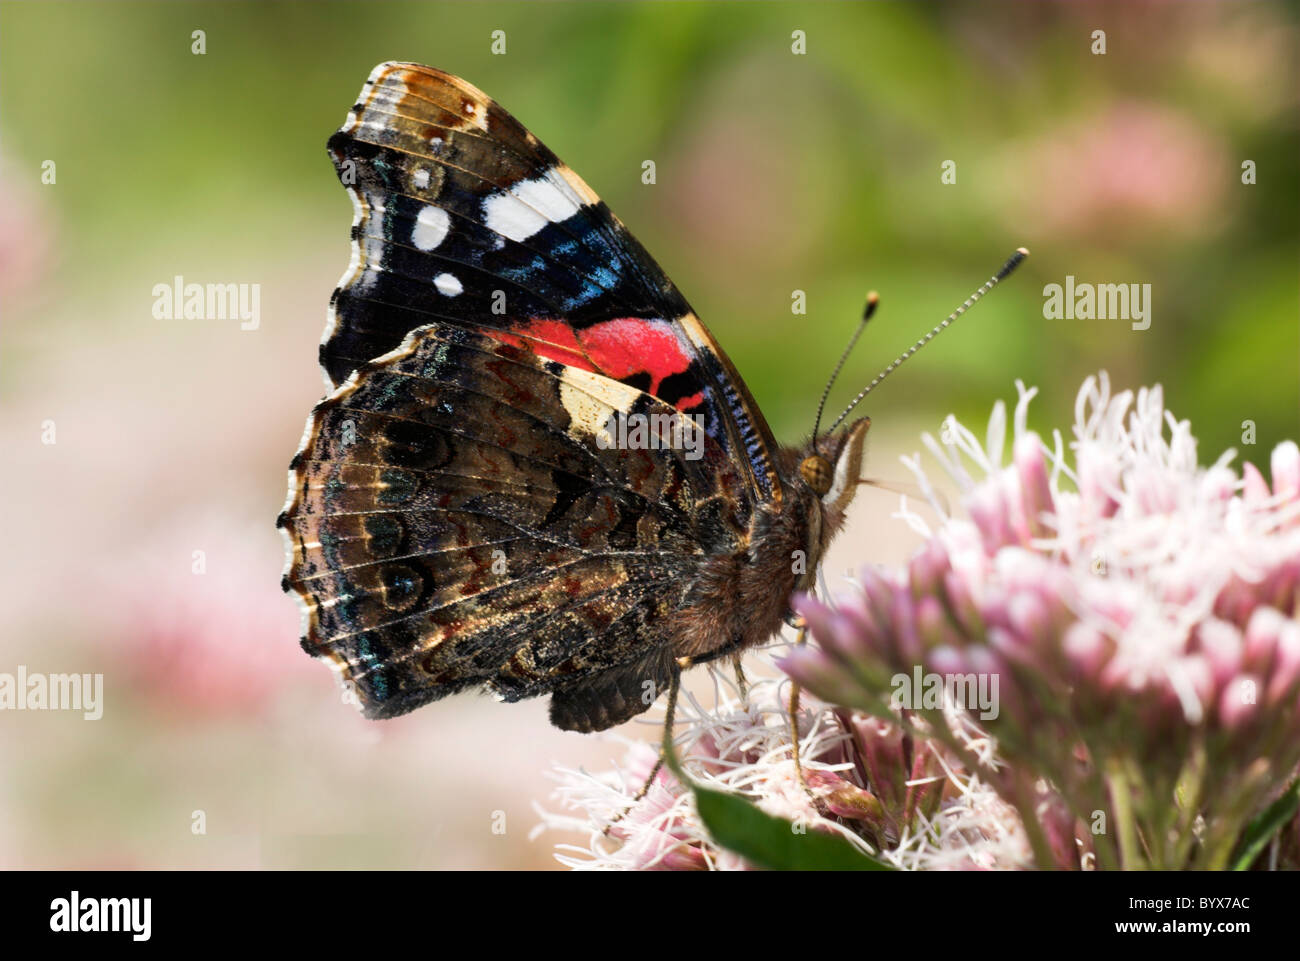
x: 1139, y: 633
x: 26, y: 230
x: 201, y: 626
x: 1134, y: 166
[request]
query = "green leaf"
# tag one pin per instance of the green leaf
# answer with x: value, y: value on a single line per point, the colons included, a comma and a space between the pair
x: 772, y: 842
x: 1261, y: 830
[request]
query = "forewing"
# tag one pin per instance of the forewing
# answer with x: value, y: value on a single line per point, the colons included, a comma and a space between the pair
x: 464, y: 218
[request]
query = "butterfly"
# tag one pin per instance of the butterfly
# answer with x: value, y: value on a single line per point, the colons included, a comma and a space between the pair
x: 537, y: 473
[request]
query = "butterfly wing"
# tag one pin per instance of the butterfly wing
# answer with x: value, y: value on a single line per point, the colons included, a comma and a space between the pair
x: 454, y: 518
x: 458, y: 519
x: 462, y: 216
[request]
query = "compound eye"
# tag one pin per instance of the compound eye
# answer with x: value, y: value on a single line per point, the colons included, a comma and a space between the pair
x: 817, y: 474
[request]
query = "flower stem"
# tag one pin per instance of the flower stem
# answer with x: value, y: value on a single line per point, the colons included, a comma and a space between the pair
x: 1121, y: 800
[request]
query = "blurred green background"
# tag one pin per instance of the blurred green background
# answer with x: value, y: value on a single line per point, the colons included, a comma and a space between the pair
x: 776, y: 172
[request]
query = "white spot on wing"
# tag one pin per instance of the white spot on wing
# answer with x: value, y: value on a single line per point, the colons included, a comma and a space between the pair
x: 431, y: 226
x: 421, y: 178
x: 527, y: 207
x: 448, y: 285
x: 555, y: 200
x: 371, y: 247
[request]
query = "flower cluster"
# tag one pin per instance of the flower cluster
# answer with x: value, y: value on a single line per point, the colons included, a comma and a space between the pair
x: 923, y: 810
x: 1138, y: 625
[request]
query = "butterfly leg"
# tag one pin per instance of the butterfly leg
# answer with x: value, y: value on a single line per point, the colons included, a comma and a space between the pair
x: 793, y: 710
x: 742, y: 683
x: 674, y: 684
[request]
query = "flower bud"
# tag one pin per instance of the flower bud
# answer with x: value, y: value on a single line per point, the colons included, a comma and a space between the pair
x: 961, y: 602
x: 933, y: 625
x: 1238, y: 703
x: 1099, y: 481
x: 1286, y: 667
x: 1222, y: 647
x: 989, y: 512
x: 927, y: 568
x: 946, y: 660
x: 827, y: 679
x: 1058, y: 823
x: 1261, y: 636
x: 1031, y: 618
x: 1254, y: 488
x: 879, y: 597
x: 1035, y: 485
x: 1191, y: 683
x: 1286, y: 471
x: 907, y: 641
x: 845, y: 799
x: 817, y: 616
x: 1087, y: 650
x: 1235, y: 601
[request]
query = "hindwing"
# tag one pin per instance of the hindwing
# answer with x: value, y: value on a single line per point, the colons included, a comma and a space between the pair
x: 455, y: 521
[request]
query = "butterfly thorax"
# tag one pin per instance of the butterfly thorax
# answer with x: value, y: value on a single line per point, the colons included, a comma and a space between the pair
x: 742, y: 599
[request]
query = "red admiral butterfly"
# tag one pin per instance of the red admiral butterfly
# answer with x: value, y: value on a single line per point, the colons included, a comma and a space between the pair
x: 539, y: 473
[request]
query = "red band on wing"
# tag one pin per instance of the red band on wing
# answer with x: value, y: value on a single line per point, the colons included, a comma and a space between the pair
x: 618, y: 348
x: 552, y: 339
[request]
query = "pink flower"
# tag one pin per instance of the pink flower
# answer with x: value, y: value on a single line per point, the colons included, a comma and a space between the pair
x: 1135, y: 165
x: 922, y: 809
x: 201, y: 626
x: 1138, y: 633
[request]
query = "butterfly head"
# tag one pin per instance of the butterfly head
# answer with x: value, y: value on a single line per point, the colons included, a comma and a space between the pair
x: 832, y: 464
x: 829, y: 471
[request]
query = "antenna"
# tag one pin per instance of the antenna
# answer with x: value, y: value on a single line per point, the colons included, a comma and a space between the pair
x: 872, y: 299
x: 1012, y: 263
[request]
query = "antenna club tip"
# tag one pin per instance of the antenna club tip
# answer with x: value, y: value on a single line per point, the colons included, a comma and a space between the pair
x: 1013, y: 262
x: 873, y: 299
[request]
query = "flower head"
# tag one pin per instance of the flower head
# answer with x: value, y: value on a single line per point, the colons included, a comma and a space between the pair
x: 1133, y: 613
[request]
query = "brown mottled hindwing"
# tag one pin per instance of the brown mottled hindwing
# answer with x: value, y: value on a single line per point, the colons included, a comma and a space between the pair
x: 454, y: 525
